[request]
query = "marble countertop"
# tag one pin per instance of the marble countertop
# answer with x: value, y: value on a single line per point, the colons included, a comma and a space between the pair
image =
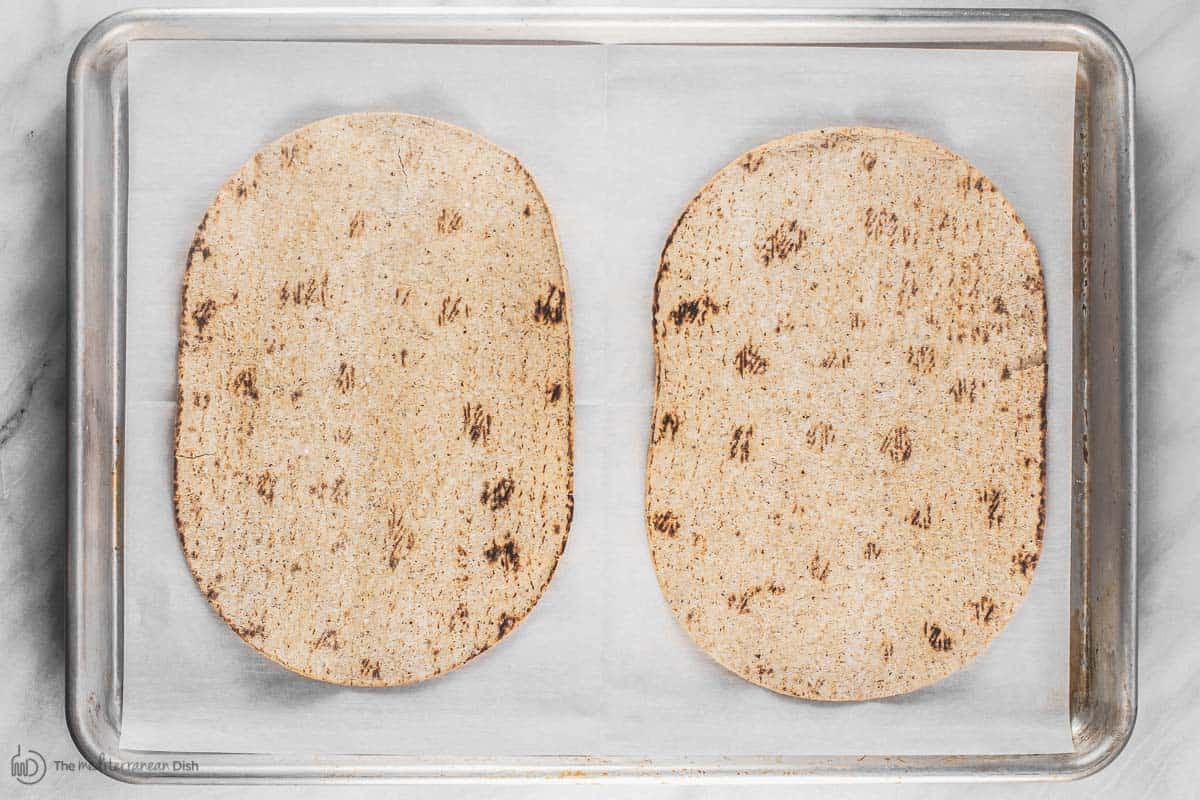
x: 36, y: 41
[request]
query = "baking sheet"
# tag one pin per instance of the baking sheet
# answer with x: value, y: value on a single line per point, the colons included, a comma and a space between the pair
x: 619, y: 138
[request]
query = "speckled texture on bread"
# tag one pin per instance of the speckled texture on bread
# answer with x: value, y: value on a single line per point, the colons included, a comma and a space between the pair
x: 373, y: 456
x: 845, y: 480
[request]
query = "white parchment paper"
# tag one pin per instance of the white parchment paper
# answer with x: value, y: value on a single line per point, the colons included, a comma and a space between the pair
x: 619, y: 139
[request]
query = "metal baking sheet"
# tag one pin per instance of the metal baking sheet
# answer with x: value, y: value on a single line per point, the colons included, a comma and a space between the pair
x: 612, y: 27
x: 619, y: 137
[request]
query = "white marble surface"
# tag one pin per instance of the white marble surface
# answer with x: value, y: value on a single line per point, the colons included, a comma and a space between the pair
x: 36, y: 41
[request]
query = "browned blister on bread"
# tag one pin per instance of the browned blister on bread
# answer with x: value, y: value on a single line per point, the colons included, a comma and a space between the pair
x: 846, y: 468
x: 373, y: 455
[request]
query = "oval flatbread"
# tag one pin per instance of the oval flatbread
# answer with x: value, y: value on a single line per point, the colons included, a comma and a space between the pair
x: 373, y: 456
x: 845, y: 483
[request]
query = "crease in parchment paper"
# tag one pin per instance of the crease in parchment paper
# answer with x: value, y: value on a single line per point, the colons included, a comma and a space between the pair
x: 619, y: 138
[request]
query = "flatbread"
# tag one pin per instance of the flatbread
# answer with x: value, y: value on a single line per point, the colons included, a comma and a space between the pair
x: 373, y: 455
x: 846, y: 468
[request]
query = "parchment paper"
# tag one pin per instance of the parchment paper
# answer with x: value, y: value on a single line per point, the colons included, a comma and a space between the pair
x: 619, y: 138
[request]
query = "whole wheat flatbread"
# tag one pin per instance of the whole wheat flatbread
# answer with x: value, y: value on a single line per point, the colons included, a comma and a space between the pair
x: 373, y: 456
x: 845, y: 483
